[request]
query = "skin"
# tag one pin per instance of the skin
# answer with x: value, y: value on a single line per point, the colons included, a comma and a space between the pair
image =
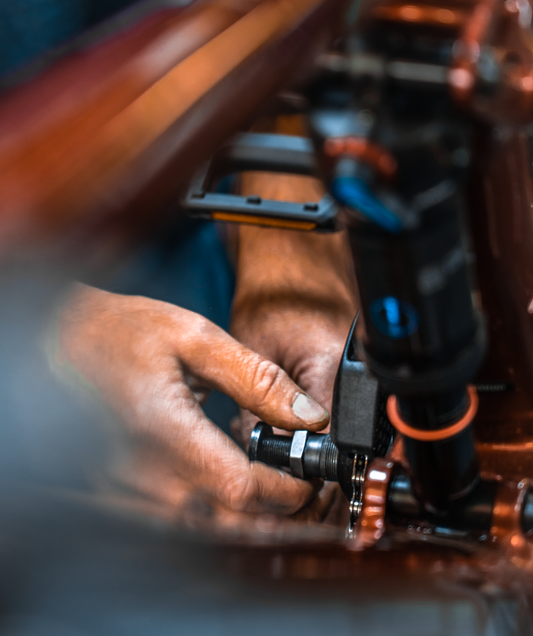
x: 294, y: 301
x: 155, y: 363
x: 294, y: 305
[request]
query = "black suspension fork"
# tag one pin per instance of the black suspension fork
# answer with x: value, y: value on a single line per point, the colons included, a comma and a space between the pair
x: 399, y: 181
x: 423, y: 340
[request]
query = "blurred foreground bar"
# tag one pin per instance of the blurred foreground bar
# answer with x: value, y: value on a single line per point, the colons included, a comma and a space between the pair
x: 108, y: 132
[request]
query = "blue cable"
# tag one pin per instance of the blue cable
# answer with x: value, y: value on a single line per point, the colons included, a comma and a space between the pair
x: 355, y: 193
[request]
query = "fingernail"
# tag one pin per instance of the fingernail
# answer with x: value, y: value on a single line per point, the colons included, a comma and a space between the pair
x: 306, y: 409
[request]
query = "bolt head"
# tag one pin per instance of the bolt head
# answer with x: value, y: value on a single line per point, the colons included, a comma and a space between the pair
x: 260, y: 431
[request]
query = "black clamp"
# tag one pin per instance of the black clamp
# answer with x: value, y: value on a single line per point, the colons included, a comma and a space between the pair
x: 359, y: 422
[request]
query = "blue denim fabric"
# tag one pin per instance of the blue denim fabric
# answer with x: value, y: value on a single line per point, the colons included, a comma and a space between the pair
x: 29, y: 28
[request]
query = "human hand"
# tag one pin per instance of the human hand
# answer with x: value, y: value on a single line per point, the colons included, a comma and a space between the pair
x: 154, y: 363
x: 294, y: 301
x: 294, y: 304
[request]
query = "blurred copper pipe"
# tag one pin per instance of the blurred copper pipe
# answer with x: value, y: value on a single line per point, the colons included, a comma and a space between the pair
x: 117, y: 126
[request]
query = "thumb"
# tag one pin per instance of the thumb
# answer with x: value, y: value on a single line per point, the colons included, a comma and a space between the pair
x: 253, y: 382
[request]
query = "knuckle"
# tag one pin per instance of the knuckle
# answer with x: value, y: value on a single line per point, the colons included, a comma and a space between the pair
x: 198, y: 325
x: 241, y: 493
x: 265, y: 378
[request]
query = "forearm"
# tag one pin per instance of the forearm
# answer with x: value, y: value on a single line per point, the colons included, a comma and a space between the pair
x: 289, y: 267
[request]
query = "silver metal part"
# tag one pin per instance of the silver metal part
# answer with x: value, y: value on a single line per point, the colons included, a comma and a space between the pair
x: 375, y: 66
x: 360, y: 464
x: 416, y: 72
x: 299, y: 440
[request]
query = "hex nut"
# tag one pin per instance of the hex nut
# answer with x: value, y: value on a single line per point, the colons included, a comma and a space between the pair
x: 299, y: 440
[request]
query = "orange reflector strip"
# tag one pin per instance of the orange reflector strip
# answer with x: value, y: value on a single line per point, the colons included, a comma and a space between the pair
x: 259, y: 220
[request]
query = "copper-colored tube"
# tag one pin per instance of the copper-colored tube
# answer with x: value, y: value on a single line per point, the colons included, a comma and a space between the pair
x: 118, y: 126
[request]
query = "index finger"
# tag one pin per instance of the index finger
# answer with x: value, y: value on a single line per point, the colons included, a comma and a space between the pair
x: 255, y: 383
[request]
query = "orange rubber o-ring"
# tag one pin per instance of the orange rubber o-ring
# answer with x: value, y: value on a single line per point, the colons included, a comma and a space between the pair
x: 432, y: 436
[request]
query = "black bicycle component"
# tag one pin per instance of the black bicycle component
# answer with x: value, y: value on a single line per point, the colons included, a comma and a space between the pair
x: 424, y: 340
x: 311, y: 455
x: 314, y: 455
x: 469, y: 517
x: 265, y: 152
x: 394, y: 154
x: 359, y: 422
x: 306, y: 454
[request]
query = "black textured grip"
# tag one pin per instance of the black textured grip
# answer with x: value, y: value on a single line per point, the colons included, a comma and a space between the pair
x: 320, y: 457
x: 275, y: 451
x: 328, y: 460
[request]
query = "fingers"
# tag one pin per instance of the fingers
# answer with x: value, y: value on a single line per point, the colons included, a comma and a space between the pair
x: 255, y: 383
x: 245, y: 488
x: 153, y: 361
x: 219, y: 468
x: 320, y: 506
x: 241, y: 428
x: 181, y: 442
x: 189, y: 507
x: 263, y: 388
x: 314, y: 368
x: 315, y: 371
